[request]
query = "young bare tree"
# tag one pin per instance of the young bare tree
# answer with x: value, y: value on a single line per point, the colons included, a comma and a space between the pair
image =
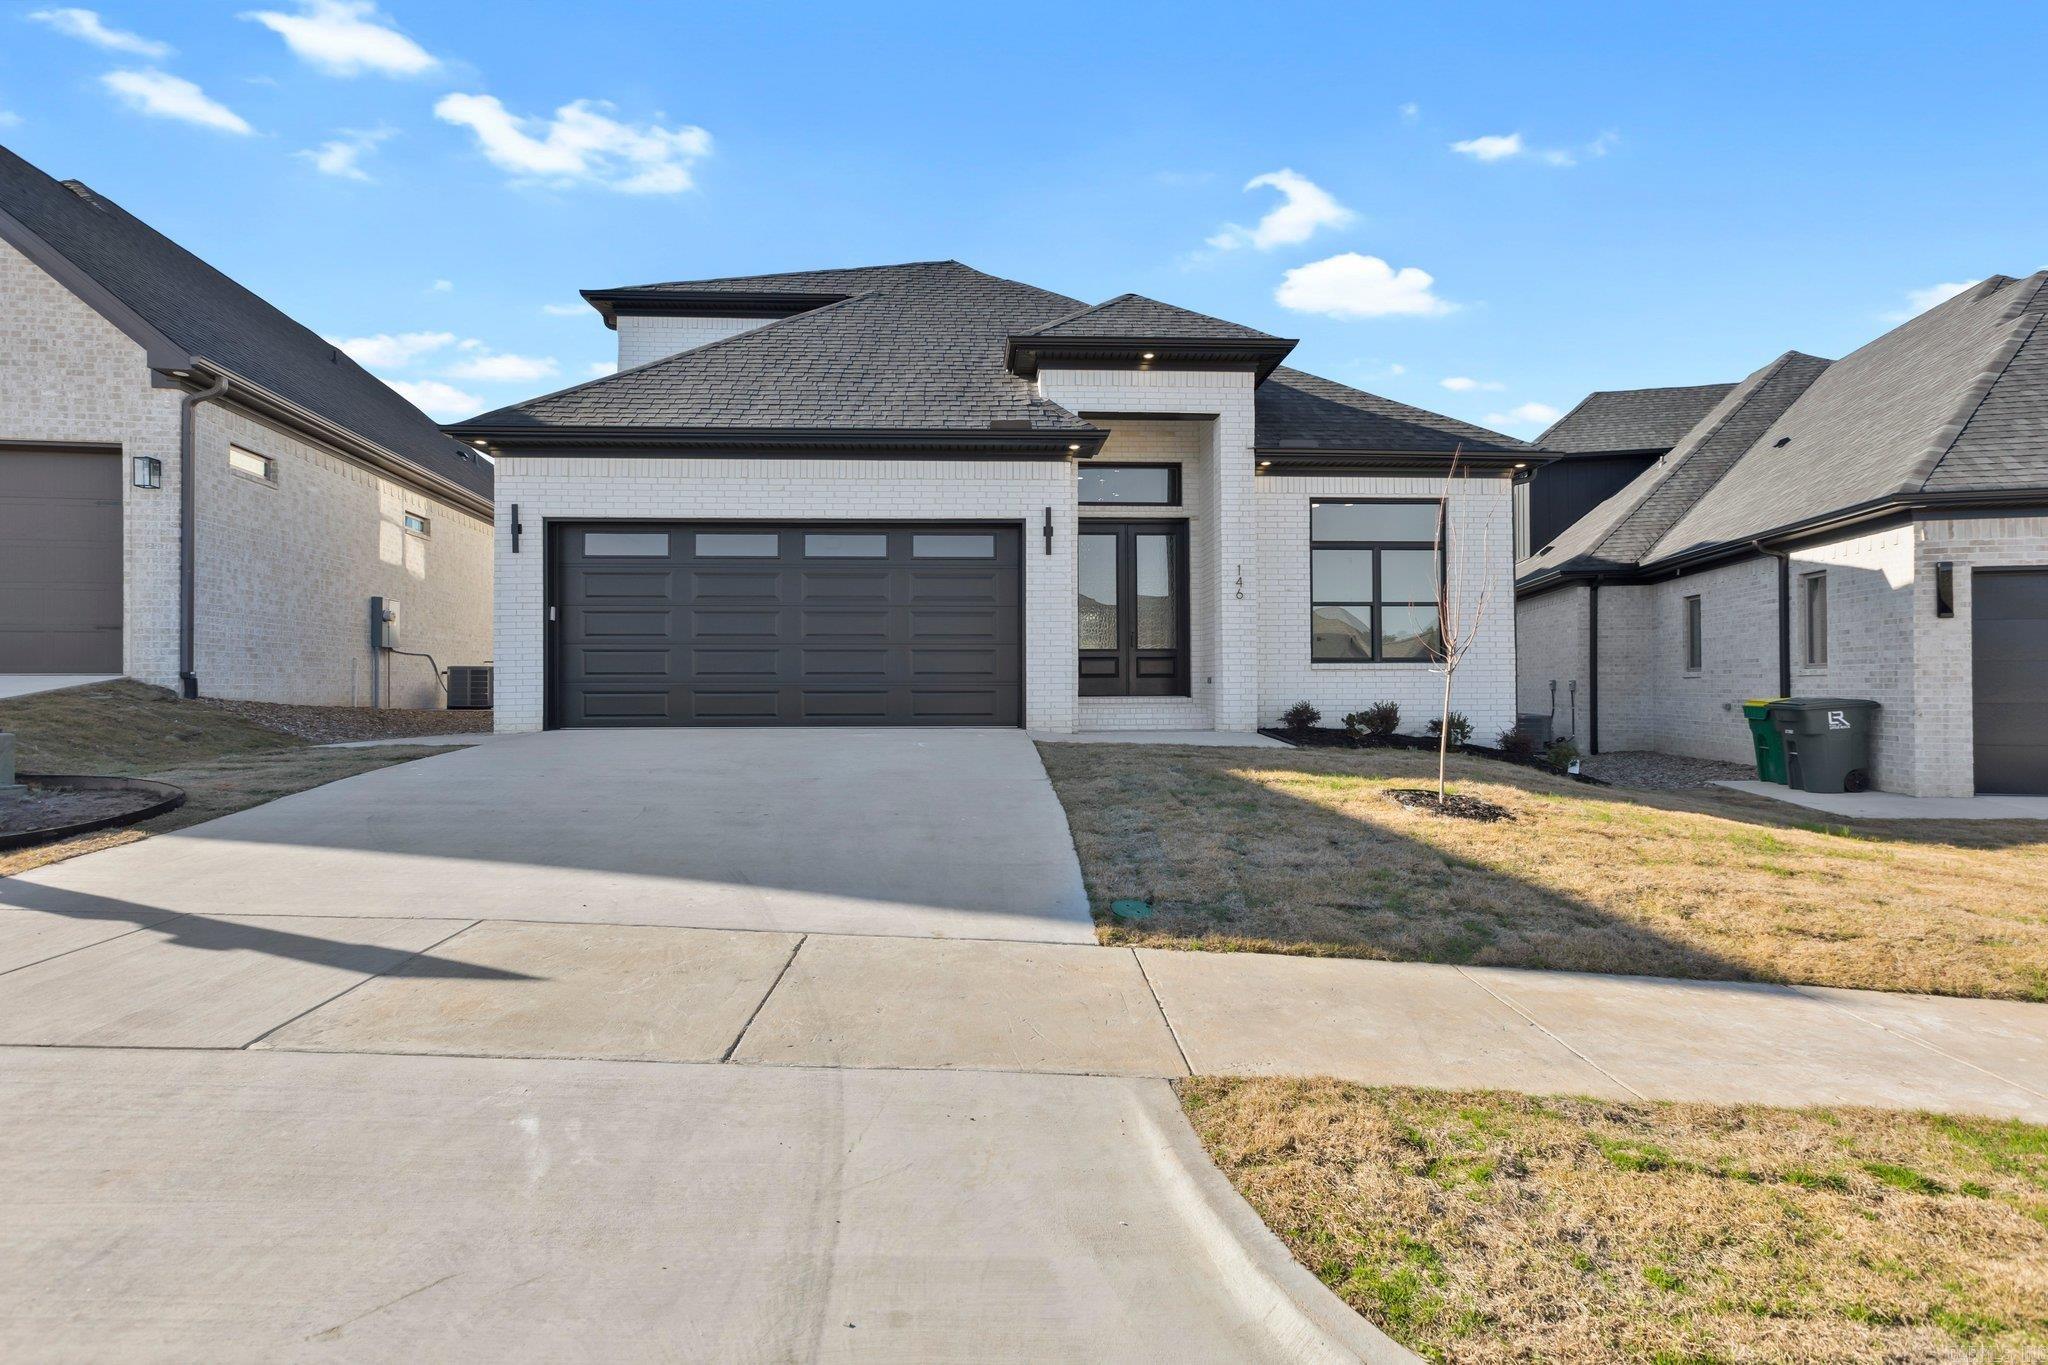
x: 1457, y: 619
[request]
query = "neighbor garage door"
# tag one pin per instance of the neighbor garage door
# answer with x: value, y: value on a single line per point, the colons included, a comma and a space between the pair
x: 60, y: 561
x: 836, y: 624
x: 2010, y: 634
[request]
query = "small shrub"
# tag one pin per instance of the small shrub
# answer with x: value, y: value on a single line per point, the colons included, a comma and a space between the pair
x: 1300, y: 717
x: 1560, y: 752
x: 1379, y: 720
x: 1516, y: 743
x: 1461, y: 729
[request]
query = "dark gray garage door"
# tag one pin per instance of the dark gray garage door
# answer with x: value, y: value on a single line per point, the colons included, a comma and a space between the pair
x: 60, y: 561
x: 2010, y: 631
x: 837, y: 624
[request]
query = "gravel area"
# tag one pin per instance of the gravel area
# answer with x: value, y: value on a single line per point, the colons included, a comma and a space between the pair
x: 1646, y: 771
x: 336, y: 724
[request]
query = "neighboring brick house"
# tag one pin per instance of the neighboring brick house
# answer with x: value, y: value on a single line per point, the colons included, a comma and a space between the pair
x: 1873, y: 527
x: 124, y: 361
x: 920, y: 494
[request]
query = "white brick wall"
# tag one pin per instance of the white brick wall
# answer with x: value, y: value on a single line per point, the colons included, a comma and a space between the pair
x: 578, y: 488
x: 1884, y: 643
x: 1481, y: 539
x: 644, y: 339
x: 284, y: 574
x: 1550, y: 662
x: 69, y: 375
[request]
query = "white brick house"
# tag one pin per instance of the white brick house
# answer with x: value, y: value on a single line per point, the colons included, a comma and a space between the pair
x: 1875, y: 527
x: 923, y: 495
x: 126, y: 362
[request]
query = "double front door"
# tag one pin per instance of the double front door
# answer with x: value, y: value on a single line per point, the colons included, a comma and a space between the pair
x: 1134, y: 608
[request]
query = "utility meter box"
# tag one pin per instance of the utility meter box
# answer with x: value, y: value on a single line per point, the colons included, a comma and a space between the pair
x: 384, y: 623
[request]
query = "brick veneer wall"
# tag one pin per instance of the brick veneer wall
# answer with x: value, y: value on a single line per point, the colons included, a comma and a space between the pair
x: 1480, y: 544
x: 577, y: 488
x: 644, y: 339
x: 1550, y: 661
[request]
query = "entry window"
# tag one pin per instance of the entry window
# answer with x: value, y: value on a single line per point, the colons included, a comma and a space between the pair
x: 1130, y: 485
x: 1374, y: 577
x: 835, y: 545
x: 626, y: 544
x: 418, y: 524
x: 1695, y: 639
x: 1814, y: 589
x: 953, y: 547
x: 253, y: 465
x: 737, y: 545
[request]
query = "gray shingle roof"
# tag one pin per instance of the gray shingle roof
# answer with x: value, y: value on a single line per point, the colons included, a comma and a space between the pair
x: 1303, y: 412
x: 916, y: 347
x: 1620, y: 531
x: 1134, y: 315
x: 1888, y: 419
x: 212, y: 317
x: 1616, y: 420
x: 921, y: 347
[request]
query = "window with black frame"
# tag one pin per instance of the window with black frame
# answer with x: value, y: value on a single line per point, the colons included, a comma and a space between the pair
x: 1374, y: 576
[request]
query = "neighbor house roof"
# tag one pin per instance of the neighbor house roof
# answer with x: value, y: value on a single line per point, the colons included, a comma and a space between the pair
x: 927, y: 348
x: 212, y: 319
x: 1624, y: 421
x: 1950, y: 406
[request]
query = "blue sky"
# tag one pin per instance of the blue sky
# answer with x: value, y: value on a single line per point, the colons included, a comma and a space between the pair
x: 1536, y: 200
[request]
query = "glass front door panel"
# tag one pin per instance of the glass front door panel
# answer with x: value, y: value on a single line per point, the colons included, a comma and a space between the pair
x: 1158, y: 596
x: 1139, y: 649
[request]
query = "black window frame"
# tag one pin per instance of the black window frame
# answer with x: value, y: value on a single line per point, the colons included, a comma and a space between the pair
x: 1695, y: 622
x: 1173, y: 483
x: 1814, y: 643
x: 1440, y: 545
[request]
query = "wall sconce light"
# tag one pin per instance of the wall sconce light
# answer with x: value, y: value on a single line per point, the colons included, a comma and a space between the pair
x: 148, y: 472
x: 1945, y: 589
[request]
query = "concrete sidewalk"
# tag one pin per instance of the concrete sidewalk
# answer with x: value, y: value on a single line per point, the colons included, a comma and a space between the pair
x: 656, y: 993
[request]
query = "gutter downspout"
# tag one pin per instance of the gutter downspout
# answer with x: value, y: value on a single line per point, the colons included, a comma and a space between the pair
x: 188, y: 525
x: 1593, y: 666
x: 1784, y: 559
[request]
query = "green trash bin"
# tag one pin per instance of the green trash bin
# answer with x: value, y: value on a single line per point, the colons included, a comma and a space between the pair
x: 1827, y: 741
x: 1770, y: 750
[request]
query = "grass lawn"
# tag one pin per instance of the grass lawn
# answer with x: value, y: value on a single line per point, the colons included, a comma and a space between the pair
x: 1491, y: 1227
x: 1300, y: 851
x: 126, y: 729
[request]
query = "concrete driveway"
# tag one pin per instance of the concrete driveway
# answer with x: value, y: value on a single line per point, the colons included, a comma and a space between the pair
x: 932, y: 833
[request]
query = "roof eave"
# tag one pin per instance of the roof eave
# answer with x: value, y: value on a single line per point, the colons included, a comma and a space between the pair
x: 160, y: 351
x: 1301, y: 460
x: 724, y: 303
x: 1026, y: 354
x: 1040, y: 443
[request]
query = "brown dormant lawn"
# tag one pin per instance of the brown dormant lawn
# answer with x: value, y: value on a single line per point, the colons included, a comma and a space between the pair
x: 1490, y: 1227
x: 1301, y: 851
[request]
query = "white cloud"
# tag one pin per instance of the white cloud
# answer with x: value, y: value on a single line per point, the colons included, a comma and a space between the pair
x: 598, y: 369
x: 88, y: 27
x: 388, y: 351
x: 1493, y: 148
x: 1459, y: 383
x: 346, y: 38
x: 8, y: 118
x: 1935, y: 294
x: 441, y: 287
x: 1527, y: 415
x: 343, y: 156
x: 565, y: 310
x: 1411, y: 112
x: 1304, y: 208
x: 162, y: 95
x: 1353, y: 286
x: 502, y: 369
x: 581, y: 144
x: 1509, y: 146
x: 437, y: 399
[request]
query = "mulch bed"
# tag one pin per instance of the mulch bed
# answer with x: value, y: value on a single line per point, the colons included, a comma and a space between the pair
x: 340, y: 724
x: 59, y: 807
x: 1454, y: 805
x: 1319, y: 737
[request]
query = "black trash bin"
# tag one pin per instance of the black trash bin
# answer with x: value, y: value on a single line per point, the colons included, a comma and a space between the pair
x: 1827, y: 742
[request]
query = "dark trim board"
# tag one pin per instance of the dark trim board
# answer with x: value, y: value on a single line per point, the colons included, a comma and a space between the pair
x: 682, y: 443
x: 771, y: 628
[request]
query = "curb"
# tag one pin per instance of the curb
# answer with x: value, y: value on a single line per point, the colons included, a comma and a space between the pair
x: 1305, y: 1321
x: 168, y: 798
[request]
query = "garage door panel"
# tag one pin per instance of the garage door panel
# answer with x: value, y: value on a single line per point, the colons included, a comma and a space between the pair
x: 792, y: 625
x: 2009, y: 657
x: 60, y: 561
